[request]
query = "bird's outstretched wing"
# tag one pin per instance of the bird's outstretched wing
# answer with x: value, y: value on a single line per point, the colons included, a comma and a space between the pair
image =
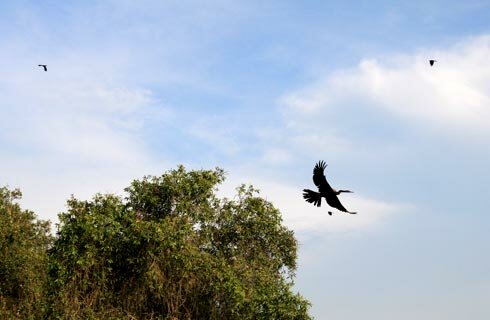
x: 334, y: 202
x: 319, y: 177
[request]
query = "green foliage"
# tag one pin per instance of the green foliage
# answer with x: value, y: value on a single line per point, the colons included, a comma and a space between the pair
x: 23, y: 260
x: 171, y: 249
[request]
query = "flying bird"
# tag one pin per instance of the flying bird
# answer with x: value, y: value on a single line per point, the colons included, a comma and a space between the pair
x: 431, y: 62
x: 45, y: 67
x: 325, y: 190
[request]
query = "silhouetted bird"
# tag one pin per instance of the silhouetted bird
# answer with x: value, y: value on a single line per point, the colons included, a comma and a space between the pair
x: 325, y: 190
x: 431, y: 62
x: 44, y: 66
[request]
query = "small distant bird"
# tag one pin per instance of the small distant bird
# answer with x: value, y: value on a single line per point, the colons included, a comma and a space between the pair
x: 44, y: 66
x: 431, y: 62
x: 325, y: 190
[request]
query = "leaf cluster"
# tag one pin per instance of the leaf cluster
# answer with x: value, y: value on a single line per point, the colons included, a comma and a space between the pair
x: 24, y: 242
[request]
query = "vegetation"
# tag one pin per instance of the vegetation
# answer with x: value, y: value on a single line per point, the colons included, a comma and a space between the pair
x: 24, y: 242
x: 170, y: 249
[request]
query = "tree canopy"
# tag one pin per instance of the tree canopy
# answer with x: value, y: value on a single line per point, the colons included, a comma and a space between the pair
x: 171, y: 249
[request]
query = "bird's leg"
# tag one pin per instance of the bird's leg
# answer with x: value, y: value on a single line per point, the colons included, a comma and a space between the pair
x: 347, y: 191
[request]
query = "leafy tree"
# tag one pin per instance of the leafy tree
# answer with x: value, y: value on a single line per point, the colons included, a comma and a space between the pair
x: 171, y: 249
x: 24, y: 241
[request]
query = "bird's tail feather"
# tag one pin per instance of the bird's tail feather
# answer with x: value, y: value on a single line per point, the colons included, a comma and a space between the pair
x: 312, y: 197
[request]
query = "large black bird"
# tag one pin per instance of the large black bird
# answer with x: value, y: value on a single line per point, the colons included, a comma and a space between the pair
x: 45, y: 67
x: 431, y: 62
x: 325, y: 190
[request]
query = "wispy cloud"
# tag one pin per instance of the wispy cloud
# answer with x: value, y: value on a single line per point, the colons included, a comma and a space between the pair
x: 452, y: 96
x: 94, y: 121
x: 307, y: 220
x: 78, y: 128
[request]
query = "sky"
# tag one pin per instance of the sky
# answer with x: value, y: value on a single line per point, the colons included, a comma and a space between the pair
x: 264, y: 90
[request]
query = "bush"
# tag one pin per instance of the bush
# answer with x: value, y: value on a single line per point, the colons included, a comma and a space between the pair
x: 23, y: 259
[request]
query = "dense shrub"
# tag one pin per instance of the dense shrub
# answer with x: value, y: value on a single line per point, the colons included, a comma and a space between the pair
x: 23, y: 260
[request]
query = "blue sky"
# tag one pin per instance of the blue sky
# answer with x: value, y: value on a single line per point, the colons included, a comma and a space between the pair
x: 265, y: 89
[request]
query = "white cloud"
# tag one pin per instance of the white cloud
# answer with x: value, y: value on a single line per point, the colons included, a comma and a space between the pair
x: 306, y: 219
x: 84, y: 107
x: 88, y: 122
x: 452, y: 95
x: 77, y: 128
